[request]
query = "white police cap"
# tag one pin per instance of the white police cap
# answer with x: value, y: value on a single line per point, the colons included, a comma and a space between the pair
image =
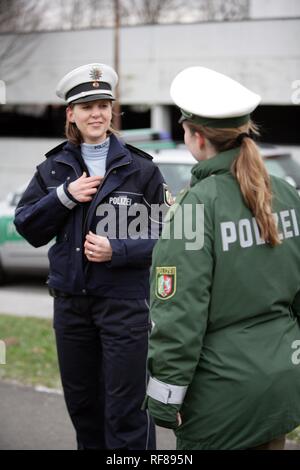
x: 212, y: 99
x: 88, y: 83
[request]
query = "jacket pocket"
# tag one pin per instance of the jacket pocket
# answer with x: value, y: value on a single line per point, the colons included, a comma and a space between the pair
x: 59, y: 261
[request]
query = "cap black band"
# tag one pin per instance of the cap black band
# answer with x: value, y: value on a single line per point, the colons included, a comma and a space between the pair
x: 88, y: 86
x: 217, y: 123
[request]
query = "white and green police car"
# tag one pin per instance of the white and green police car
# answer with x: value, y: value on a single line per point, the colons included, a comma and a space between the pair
x: 176, y: 164
x: 16, y: 255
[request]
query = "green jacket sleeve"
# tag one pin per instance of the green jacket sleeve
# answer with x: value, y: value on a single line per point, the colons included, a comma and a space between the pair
x: 181, y: 280
x: 296, y: 305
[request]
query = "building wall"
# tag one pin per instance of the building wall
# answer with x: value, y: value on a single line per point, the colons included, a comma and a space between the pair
x: 274, y: 8
x: 264, y: 55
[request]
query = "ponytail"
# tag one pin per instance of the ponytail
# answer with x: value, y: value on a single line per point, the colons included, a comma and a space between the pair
x: 255, y: 185
x: 249, y: 170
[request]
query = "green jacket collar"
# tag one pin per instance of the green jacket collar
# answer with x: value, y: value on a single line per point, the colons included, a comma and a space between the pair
x: 218, y: 164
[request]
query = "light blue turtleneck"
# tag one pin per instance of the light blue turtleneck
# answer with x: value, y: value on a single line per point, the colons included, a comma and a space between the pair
x: 95, y: 156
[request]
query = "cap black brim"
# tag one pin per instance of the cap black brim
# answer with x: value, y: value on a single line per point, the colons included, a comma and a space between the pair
x: 86, y: 99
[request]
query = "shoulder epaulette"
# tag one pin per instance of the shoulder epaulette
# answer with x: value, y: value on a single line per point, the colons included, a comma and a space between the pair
x: 139, y: 152
x: 56, y: 149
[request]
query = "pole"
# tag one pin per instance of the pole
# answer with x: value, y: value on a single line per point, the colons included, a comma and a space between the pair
x: 117, y: 105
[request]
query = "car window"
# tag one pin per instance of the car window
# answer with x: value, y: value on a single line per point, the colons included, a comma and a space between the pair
x: 284, y: 166
x: 274, y: 168
x: 177, y: 175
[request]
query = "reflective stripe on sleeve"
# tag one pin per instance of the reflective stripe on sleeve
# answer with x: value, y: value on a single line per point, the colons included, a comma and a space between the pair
x: 166, y: 393
x: 67, y: 202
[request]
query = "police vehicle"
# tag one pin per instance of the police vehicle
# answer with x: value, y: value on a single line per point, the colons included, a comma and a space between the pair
x: 176, y: 164
x: 149, y: 139
x: 17, y: 256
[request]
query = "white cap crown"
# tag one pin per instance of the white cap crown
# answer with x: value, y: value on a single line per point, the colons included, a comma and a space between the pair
x: 87, y: 83
x: 209, y: 94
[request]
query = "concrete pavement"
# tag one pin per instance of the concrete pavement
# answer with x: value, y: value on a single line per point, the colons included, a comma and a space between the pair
x: 28, y: 302
x: 38, y: 420
x: 32, y: 420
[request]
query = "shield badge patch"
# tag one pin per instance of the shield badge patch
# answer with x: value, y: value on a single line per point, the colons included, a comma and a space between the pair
x: 165, y: 282
x: 168, y: 198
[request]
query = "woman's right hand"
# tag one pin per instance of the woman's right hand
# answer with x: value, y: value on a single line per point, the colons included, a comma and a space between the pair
x: 84, y: 187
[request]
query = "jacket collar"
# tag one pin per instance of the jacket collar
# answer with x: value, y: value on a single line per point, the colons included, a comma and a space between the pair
x: 220, y: 163
x: 117, y: 152
x: 70, y: 154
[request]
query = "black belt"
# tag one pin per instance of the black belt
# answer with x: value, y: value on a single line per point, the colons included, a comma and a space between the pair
x: 58, y: 293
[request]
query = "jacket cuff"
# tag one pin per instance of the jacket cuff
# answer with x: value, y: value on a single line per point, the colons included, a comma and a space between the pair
x: 119, y: 253
x: 162, y: 414
x: 65, y: 198
x: 66, y: 185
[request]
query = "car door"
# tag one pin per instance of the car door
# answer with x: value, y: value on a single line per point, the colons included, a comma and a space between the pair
x: 15, y: 252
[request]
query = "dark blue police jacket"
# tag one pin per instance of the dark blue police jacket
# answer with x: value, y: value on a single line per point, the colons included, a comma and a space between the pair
x: 131, y: 178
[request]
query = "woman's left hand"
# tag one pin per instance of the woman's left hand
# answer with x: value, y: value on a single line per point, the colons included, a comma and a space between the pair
x: 97, y: 248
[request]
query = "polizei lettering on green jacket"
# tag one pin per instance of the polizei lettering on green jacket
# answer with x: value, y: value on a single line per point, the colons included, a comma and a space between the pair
x: 245, y: 232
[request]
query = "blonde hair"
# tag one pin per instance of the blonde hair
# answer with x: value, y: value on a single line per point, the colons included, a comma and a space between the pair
x: 249, y: 170
x: 73, y: 134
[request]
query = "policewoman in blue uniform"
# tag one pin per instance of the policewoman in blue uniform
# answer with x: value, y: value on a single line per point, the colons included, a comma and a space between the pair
x: 98, y: 278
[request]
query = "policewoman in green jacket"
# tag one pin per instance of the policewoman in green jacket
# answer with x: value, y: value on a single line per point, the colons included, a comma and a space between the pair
x: 224, y: 355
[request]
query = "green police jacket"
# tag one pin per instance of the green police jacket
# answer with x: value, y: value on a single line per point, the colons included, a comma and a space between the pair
x: 225, y: 308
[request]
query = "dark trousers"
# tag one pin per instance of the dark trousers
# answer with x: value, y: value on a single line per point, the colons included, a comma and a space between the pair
x: 102, y: 350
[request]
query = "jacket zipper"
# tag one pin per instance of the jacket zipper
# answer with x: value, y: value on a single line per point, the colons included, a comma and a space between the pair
x: 100, y: 186
x: 85, y: 270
